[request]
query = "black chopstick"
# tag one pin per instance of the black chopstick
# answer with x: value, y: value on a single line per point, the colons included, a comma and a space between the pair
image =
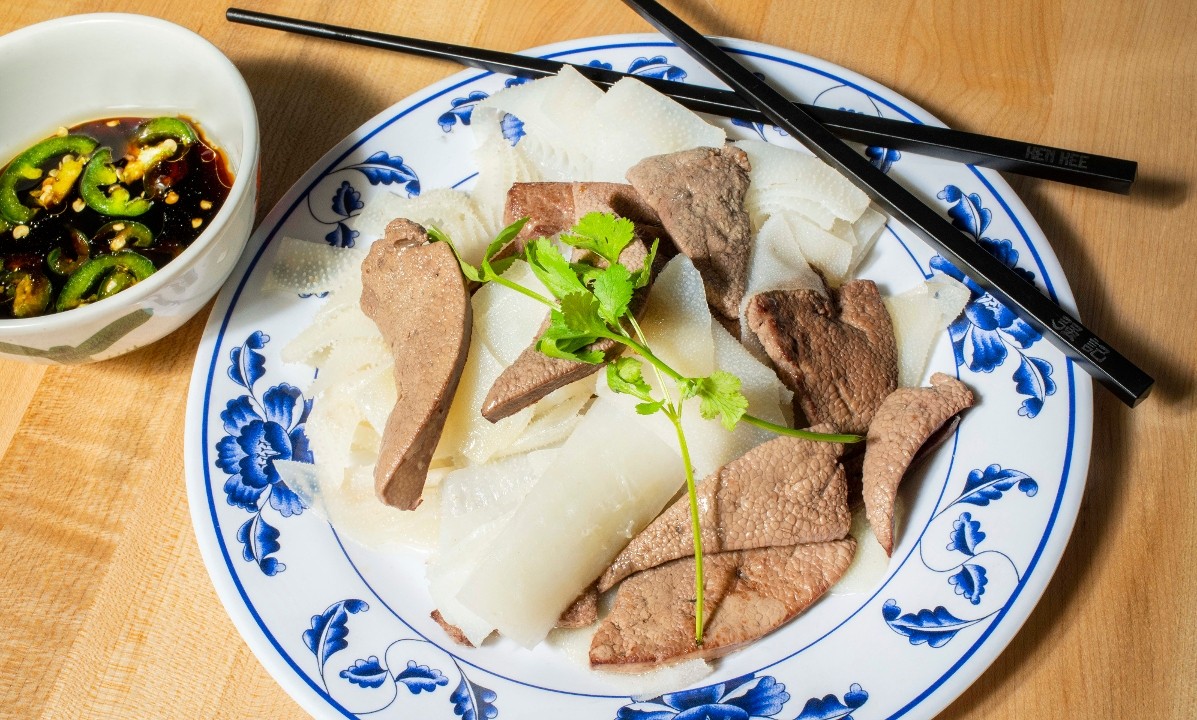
x: 1100, y: 360
x: 1014, y: 156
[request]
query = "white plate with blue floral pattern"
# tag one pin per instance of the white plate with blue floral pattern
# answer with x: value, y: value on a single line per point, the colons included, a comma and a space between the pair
x: 347, y: 631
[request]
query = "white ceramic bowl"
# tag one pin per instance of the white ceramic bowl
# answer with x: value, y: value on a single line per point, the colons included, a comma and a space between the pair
x: 86, y: 67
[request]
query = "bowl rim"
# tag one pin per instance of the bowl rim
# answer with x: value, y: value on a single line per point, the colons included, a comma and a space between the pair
x: 238, y: 94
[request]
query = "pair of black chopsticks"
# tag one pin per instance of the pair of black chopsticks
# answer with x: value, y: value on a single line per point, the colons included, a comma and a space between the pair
x: 754, y: 99
x: 1023, y: 158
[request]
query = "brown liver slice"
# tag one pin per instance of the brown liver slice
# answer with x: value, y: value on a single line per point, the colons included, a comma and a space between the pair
x: 455, y: 634
x: 748, y: 594
x: 415, y: 293
x: 582, y: 612
x: 785, y: 491
x: 554, y: 207
x: 904, y: 422
x: 836, y: 352
x: 699, y: 196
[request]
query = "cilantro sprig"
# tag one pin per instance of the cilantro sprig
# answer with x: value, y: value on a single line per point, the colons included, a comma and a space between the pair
x: 592, y: 301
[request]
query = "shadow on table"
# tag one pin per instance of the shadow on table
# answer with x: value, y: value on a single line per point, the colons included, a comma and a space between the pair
x: 298, y: 127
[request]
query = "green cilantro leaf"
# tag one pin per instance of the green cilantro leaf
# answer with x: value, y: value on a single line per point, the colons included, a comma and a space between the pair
x: 586, y: 272
x: 603, y: 234
x: 559, y: 340
x: 581, y: 313
x: 504, y: 238
x: 641, y: 277
x: 470, y: 272
x: 613, y: 289
x: 648, y: 408
x: 569, y: 349
x: 553, y: 269
x: 721, y: 397
x: 626, y: 375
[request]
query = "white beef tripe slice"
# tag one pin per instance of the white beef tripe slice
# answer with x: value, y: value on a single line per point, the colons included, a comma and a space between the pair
x: 468, y: 438
x: 507, y: 320
x: 308, y: 267
x: 554, y: 140
x: 777, y: 263
x: 475, y: 505
x: 766, y: 394
x: 338, y: 433
x: 918, y: 316
x: 609, y: 481
x: 798, y: 176
x: 677, y: 319
x: 453, y: 212
x: 634, y: 122
x: 345, y: 499
x: 500, y: 165
x: 866, y: 230
x: 554, y: 417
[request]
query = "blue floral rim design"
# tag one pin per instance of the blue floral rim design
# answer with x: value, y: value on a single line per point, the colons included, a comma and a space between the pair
x: 329, y: 165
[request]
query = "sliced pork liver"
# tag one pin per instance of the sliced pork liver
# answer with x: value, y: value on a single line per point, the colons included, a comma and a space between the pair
x: 785, y: 491
x: 414, y: 291
x: 582, y: 612
x: 904, y: 422
x: 836, y: 352
x: 554, y: 207
x: 699, y: 196
x: 747, y: 594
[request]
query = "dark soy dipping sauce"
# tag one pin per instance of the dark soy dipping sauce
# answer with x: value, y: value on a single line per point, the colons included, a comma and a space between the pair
x: 200, y: 178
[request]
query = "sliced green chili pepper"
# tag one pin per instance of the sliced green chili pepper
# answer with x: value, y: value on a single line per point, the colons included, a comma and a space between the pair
x: 28, y: 166
x: 121, y: 233
x: 115, y: 282
x: 116, y: 202
x: 161, y: 128
x: 170, y: 134
x: 54, y: 189
x: 30, y: 293
x: 89, y: 282
x: 61, y: 265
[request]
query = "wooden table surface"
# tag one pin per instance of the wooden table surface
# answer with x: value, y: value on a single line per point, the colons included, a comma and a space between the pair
x: 109, y: 611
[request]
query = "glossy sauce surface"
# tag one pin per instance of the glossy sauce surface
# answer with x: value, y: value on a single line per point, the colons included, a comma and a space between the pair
x: 191, y: 186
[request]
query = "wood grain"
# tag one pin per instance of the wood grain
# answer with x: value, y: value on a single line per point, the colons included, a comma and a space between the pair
x: 110, y: 612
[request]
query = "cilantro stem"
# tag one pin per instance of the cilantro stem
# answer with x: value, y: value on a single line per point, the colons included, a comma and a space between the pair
x: 795, y: 432
x: 656, y: 370
x: 674, y: 415
x: 525, y: 291
x: 644, y: 352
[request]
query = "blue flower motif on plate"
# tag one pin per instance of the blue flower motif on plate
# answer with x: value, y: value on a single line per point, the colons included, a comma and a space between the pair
x: 931, y: 627
x: 985, y: 335
x: 460, y: 110
x: 830, y: 707
x: 882, y: 158
x: 969, y: 577
x: 328, y: 635
x: 258, y: 431
x: 745, y: 697
x: 657, y: 66
x: 970, y: 582
x: 346, y: 202
x: 966, y: 534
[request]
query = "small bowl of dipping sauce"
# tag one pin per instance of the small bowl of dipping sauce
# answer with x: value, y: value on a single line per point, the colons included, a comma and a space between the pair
x: 128, y: 183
